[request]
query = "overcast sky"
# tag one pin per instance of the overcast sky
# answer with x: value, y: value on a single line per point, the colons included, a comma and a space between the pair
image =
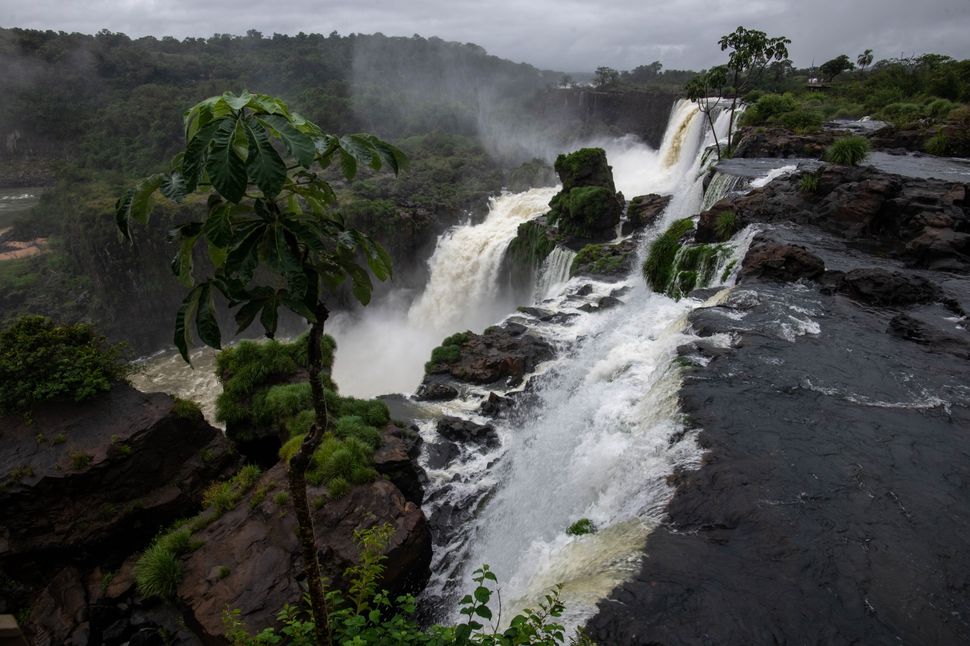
x: 569, y: 35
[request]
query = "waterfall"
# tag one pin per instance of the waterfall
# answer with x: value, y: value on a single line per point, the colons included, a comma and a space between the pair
x: 719, y: 188
x: 554, y: 272
x: 598, y: 440
x: 462, y: 291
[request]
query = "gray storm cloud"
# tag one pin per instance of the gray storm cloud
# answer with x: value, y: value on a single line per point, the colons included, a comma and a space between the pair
x: 564, y: 35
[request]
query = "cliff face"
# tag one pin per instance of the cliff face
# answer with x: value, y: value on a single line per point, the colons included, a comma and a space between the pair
x: 584, y: 112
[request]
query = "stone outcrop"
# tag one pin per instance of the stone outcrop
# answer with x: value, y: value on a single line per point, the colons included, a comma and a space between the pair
x: 644, y: 210
x: 787, y: 263
x: 924, y: 222
x: 89, y: 480
x: 499, y: 354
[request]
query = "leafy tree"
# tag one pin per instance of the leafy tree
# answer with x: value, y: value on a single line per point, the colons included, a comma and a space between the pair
x: 751, y: 51
x: 566, y: 81
x: 606, y: 77
x: 268, y: 209
x: 831, y: 69
x: 864, y: 60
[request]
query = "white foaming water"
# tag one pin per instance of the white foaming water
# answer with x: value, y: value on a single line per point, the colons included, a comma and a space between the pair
x: 554, y: 272
x: 772, y: 175
x: 463, y: 286
x: 598, y: 443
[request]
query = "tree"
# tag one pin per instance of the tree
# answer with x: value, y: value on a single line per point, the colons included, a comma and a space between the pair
x: 706, y: 90
x: 750, y: 52
x: 831, y: 69
x: 566, y: 81
x: 864, y: 60
x: 606, y: 77
x: 268, y: 209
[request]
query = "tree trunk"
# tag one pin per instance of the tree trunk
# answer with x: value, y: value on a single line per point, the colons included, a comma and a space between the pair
x: 297, y: 479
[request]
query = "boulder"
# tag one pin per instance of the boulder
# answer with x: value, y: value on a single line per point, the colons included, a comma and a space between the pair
x: 91, y: 480
x: 467, y: 432
x: 585, y: 167
x: 644, y: 210
x: 776, y: 261
x: 436, y: 391
x: 605, y: 261
x: 249, y: 557
x: 396, y: 460
x: 497, y: 354
x: 885, y: 288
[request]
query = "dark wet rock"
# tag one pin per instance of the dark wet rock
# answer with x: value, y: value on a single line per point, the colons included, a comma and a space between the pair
x: 780, y: 142
x: 436, y: 391
x: 467, y: 432
x: 584, y: 290
x: 915, y: 139
x: 604, y: 303
x: 255, y: 548
x: 886, y: 288
x: 87, y: 481
x: 925, y: 222
x: 496, y: 355
x: 643, y: 211
x: 605, y: 261
x: 441, y: 454
x: 537, y: 312
x: 930, y: 336
x: 782, y: 262
x: 494, y: 405
x: 396, y: 460
x: 826, y: 503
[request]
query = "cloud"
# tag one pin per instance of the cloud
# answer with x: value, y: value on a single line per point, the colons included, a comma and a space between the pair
x: 568, y: 35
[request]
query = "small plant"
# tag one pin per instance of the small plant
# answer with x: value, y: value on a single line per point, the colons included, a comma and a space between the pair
x: 222, y: 572
x: 938, y: 144
x: 186, y: 409
x: 21, y: 472
x: 659, y: 266
x: 847, y: 151
x: 224, y: 496
x: 281, y: 498
x: 40, y: 438
x: 258, y: 496
x: 60, y: 438
x: 808, y: 183
x: 581, y: 527
x: 726, y: 225
x: 79, y: 460
x: 158, y: 572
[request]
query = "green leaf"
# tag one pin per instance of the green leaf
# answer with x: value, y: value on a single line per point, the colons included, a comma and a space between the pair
x: 360, y: 148
x: 390, y: 155
x: 270, y: 316
x: 244, y: 256
x: 297, y: 144
x: 186, y: 236
x: 217, y: 228
x: 195, y: 155
x: 483, y: 612
x: 348, y: 165
x: 173, y: 187
x: 263, y: 163
x: 186, y: 312
x: 227, y: 171
x: 205, y: 323
x: 288, y: 264
x: 141, y: 197
x: 237, y: 102
x: 247, y: 314
x: 122, y: 209
x: 482, y: 594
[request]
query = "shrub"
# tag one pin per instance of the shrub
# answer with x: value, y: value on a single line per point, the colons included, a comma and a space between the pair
x: 448, y: 352
x: 808, y: 183
x: 960, y: 114
x: 658, y: 267
x: 939, y: 108
x: 800, y: 120
x: 847, y: 151
x: 901, y: 115
x: 41, y: 361
x: 223, y: 496
x: 581, y: 527
x: 938, y: 144
x: 725, y: 225
x: 186, y: 409
x: 158, y: 572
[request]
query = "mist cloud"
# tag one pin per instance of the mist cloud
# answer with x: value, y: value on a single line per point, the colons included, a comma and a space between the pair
x: 566, y: 35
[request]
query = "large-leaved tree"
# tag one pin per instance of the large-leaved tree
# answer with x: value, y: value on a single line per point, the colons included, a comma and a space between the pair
x: 750, y: 52
x: 273, y: 241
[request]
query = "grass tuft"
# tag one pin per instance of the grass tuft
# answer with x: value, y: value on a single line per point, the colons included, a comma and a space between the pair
x: 847, y: 151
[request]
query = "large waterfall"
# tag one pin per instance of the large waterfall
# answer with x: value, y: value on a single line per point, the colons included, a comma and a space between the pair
x: 600, y: 433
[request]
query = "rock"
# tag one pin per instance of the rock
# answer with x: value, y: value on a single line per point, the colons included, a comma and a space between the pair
x: 59, y: 614
x: 781, y: 142
x: 643, y: 211
x: 585, y: 167
x: 929, y: 336
x: 605, y: 261
x: 442, y: 454
x: 494, y: 405
x: 436, y: 391
x: 465, y: 432
x: 90, y: 480
x: 885, y: 288
x: 256, y: 546
x: 497, y: 354
x: 396, y: 460
x: 780, y: 262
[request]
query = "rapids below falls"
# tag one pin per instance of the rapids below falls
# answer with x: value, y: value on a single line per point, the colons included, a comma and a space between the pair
x: 601, y: 431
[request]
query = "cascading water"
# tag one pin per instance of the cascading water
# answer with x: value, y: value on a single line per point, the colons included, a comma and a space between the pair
x: 598, y: 439
x: 554, y: 272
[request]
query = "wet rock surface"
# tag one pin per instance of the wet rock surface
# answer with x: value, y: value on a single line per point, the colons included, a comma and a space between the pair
x: 770, y: 260
x: 499, y: 354
x: 829, y: 507
x: 643, y: 210
x: 924, y: 222
x: 89, y: 480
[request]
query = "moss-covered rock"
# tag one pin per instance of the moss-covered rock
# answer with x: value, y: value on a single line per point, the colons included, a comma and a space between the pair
x: 604, y: 260
x: 585, y: 167
x: 658, y: 268
x: 588, y: 212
